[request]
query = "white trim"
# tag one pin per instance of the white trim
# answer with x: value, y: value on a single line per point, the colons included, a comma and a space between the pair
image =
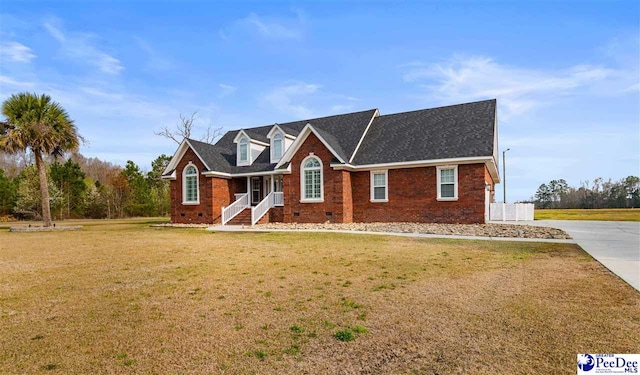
x: 304, y: 134
x: 352, y: 168
x: 249, y: 174
x: 455, y: 182
x: 375, y: 114
x: 179, y: 154
x: 276, y: 128
x: 487, y: 160
x: 217, y: 174
x: 265, y: 144
x: 412, y: 164
x: 184, y: 185
x: 386, y: 185
x: 172, y: 176
x: 302, y: 181
x: 242, y: 133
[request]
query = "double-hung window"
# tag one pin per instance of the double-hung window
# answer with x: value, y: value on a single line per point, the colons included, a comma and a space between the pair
x: 311, y: 180
x: 379, y: 186
x: 190, y: 185
x: 447, y: 183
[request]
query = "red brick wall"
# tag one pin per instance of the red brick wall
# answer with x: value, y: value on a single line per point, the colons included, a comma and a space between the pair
x: 276, y: 215
x: 238, y: 185
x: 337, y: 189
x: 412, y: 194
x: 347, y: 197
x: 214, y: 193
x: 412, y: 197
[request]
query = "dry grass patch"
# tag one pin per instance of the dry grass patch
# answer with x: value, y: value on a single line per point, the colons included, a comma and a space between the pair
x: 603, y: 214
x: 126, y: 298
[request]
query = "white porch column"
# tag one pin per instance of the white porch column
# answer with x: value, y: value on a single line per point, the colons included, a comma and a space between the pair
x: 249, y: 187
x: 273, y: 177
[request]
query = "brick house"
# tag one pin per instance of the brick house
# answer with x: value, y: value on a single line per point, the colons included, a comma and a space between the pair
x: 431, y: 165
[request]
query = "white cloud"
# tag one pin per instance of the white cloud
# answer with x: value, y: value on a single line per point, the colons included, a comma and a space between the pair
x: 79, y: 48
x: 287, y: 99
x: 271, y: 28
x: 155, y: 61
x: 14, y: 85
x: 17, y: 52
x: 518, y: 89
x: 226, y: 90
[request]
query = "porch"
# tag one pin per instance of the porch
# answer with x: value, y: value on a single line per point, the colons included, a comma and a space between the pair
x: 256, y: 199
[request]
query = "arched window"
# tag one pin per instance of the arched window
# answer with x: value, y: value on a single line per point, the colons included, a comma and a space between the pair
x: 277, y: 146
x: 190, y: 189
x: 244, y: 150
x: 311, y: 186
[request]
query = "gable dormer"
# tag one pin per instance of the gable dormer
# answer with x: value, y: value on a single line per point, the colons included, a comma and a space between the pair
x: 279, y: 141
x: 247, y: 149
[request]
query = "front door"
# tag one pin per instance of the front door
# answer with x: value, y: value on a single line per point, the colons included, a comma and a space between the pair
x: 255, y: 190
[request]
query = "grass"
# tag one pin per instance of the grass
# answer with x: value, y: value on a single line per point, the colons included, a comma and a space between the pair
x: 603, y: 214
x: 120, y: 297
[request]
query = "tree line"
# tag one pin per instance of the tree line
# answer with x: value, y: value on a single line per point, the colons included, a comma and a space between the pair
x: 43, y: 175
x: 81, y: 187
x: 599, y: 193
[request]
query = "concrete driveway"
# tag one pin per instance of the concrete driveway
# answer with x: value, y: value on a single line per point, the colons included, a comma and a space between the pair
x: 615, y: 244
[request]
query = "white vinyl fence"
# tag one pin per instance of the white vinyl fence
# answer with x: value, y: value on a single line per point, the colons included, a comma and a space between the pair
x: 511, y: 211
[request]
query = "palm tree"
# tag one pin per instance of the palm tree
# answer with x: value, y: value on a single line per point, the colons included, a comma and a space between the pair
x: 41, y: 125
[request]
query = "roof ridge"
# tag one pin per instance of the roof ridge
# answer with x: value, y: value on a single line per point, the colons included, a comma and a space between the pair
x: 443, y: 106
x: 303, y: 120
x: 325, y: 117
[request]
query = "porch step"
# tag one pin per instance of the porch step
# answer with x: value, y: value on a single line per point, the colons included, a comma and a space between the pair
x: 243, y: 218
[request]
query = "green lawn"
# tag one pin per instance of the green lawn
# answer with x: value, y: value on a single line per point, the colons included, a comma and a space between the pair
x: 606, y: 214
x: 121, y: 298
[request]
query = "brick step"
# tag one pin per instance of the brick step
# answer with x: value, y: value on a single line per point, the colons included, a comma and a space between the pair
x: 243, y: 218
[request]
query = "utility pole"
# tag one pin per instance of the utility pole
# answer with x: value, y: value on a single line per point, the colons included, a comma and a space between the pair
x: 504, y: 175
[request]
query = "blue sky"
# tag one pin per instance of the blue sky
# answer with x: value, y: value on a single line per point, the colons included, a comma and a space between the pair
x: 566, y: 74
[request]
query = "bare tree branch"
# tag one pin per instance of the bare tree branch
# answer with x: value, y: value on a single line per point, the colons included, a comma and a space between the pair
x: 182, y: 130
x: 212, y: 134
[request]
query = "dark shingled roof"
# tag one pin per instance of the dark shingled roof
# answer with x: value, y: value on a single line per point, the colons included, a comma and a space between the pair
x: 342, y: 132
x: 457, y: 131
x: 463, y: 130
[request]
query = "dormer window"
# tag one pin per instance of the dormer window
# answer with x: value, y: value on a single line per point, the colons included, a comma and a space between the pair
x: 244, y: 150
x: 279, y: 141
x: 248, y: 149
x: 277, y: 147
